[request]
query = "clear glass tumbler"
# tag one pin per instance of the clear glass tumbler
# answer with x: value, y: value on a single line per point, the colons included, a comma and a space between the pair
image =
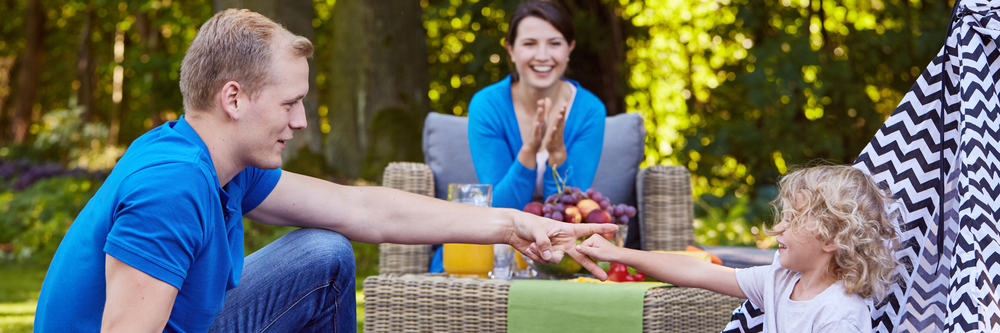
x: 469, y: 260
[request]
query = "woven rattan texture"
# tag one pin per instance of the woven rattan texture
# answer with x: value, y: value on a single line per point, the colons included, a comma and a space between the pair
x: 427, y: 303
x: 434, y: 303
x: 398, y: 258
x: 686, y: 310
x: 666, y: 208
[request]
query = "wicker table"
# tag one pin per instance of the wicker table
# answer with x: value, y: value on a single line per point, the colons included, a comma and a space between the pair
x: 435, y: 303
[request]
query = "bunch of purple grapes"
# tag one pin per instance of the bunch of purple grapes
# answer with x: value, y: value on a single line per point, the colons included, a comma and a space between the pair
x: 621, y: 213
x: 556, y: 204
x: 572, y: 196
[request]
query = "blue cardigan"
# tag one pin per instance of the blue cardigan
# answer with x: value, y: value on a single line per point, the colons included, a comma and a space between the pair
x: 495, y: 140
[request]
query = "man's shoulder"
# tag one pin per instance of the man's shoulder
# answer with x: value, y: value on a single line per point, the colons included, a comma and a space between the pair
x: 163, y: 176
x: 163, y: 153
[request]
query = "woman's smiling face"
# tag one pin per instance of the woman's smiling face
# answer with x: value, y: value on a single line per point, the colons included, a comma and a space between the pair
x: 540, y: 53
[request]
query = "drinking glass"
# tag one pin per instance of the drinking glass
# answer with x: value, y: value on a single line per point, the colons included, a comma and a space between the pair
x: 621, y: 234
x: 469, y: 260
x: 503, y: 262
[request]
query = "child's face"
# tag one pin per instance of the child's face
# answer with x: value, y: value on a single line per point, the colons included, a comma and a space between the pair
x: 800, y: 250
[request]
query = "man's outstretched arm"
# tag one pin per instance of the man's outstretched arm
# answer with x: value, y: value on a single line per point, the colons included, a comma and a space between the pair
x: 380, y: 214
x: 136, y: 302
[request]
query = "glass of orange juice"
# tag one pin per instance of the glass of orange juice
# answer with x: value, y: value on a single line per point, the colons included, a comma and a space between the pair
x: 469, y: 260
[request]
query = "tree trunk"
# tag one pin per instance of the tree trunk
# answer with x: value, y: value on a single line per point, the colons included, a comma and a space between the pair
x: 600, y: 54
x: 6, y: 64
x: 297, y: 17
x: 379, y: 86
x: 85, y: 68
x: 31, y: 69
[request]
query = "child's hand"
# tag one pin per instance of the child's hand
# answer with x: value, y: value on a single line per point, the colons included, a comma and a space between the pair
x: 599, y: 248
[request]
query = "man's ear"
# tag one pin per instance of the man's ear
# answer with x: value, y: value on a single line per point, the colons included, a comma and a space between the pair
x: 229, y: 98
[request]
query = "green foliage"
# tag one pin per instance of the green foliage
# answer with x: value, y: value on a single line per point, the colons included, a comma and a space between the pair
x: 738, y: 91
x: 392, y: 129
x: 741, y: 91
x: 366, y: 259
x: 257, y: 235
x: 152, y: 36
x: 64, y: 137
x: 465, y: 42
x: 35, y: 220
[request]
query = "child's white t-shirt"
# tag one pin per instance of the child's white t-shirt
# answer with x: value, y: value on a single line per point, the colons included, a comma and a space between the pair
x: 833, y: 310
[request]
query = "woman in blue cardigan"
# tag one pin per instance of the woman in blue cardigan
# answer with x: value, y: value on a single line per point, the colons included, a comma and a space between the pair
x: 534, y: 120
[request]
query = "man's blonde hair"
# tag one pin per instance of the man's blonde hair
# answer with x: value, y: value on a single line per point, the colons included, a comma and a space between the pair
x: 234, y: 45
x: 850, y: 211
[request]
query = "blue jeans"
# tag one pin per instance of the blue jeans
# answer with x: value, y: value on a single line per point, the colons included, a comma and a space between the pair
x: 302, y: 282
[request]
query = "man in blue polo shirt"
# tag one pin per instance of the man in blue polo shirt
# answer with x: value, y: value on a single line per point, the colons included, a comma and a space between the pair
x: 160, y: 246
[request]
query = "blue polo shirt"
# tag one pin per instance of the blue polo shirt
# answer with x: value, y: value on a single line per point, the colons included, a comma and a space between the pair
x: 162, y: 211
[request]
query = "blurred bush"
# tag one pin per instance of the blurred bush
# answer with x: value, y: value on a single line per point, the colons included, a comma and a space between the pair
x: 38, y: 203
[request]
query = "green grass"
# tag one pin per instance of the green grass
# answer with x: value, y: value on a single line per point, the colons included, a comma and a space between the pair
x: 19, y: 287
x: 21, y: 283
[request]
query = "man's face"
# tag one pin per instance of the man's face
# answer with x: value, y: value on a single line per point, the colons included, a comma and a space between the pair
x: 276, y: 112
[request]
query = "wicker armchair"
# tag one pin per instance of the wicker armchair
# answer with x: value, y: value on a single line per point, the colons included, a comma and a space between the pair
x: 399, y: 301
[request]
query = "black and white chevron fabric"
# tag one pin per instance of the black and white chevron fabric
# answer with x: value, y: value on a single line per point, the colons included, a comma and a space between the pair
x: 939, y: 153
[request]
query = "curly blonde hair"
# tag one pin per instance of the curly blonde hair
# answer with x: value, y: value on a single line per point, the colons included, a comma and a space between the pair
x: 850, y: 211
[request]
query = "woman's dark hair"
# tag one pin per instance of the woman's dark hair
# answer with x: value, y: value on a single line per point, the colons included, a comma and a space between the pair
x: 551, y: 12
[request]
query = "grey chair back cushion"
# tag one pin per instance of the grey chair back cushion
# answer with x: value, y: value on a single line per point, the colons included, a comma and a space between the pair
x: 446, y: 152
x: 623, y: 151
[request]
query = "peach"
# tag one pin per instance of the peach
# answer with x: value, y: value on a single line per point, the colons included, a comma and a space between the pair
x: 573, y: 214
x: 586, y: 206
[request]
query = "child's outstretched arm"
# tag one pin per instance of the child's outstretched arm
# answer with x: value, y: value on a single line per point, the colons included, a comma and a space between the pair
x: 677, y: 269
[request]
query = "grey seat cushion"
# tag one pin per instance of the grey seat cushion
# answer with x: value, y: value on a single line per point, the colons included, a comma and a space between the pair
x: 446, y: 152
x: 623, y: 151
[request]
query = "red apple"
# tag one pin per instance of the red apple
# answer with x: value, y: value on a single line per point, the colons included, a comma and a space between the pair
x: 598, y: 216
x: 533, y: 208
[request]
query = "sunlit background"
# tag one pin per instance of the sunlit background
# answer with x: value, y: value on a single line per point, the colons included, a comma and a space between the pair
x: 738, y: 91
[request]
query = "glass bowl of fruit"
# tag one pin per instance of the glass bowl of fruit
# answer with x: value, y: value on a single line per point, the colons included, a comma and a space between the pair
x: 572, y: 205
x: 565, y: 269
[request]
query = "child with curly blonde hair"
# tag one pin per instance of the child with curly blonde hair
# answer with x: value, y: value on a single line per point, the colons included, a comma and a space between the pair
x: 836, y: 245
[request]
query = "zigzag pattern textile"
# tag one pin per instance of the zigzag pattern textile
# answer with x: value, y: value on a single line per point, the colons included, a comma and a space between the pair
x: 939, y: 153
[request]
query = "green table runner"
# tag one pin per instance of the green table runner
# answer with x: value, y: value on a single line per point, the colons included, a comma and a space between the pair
x: 567, y: 306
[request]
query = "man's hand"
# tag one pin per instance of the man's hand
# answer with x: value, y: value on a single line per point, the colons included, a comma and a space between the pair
x: 136, y: 302
x: 545, y: 240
